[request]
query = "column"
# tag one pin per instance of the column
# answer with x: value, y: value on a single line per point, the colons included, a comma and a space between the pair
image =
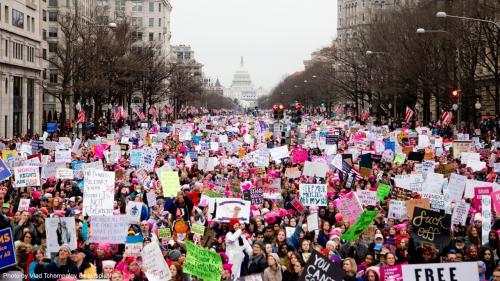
x: 3, y: 101
x: 24, y: 121
x: 38, y: 109
x: 10, y: 107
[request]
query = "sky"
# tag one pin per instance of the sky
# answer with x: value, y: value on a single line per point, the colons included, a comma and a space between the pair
x: 273, y: 36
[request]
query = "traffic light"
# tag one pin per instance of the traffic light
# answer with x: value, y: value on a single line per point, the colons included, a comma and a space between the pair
x: 281, y: 112
x: 455, y: 93
x: 275, y: 112
x: 298, y: 112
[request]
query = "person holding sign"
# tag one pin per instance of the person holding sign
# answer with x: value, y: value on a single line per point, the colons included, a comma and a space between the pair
x: 236, y: 245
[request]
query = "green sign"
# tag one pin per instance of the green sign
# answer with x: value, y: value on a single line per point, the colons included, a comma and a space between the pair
x: 170, y: 183
x: 213, y: 194
x: 399, y: 159
x: 198, y: 229
x: 360, y: 226
x: 383, y: 191
x: 164, y: 233
x: 202, y: 263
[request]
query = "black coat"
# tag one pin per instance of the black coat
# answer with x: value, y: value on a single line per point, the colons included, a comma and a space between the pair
x: 257, y: 264
x: 55, y: 270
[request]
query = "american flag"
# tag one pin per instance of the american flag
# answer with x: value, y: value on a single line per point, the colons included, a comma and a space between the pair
x: 364, y: 115
x: 385, y: 109
x: 119, y: 112
x: 153, y: 111
x: 81, y: 117
x: 356, y: 173
x: 167, y: 109
x: 140, y: 113
x: 339, y: 110
x: 446, y: 116
x: 409, y: 114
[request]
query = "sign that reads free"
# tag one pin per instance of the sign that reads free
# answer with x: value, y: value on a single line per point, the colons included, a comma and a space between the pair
x: 464, y: 271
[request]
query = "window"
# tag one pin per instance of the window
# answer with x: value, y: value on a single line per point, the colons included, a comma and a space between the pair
x: 44, y: 15
x: 159, y: 22
x: 137, y: 21
x: 18, y: 90
x: 53, y: 77
x: 151, y: 36
x: 53, y: 32
x: 6, y: 14
x: 30, y: 53
x: 137, y: 36
x: 17, y: 51
x: 17, y: 18
x: 53, y: 3
x: 102, y: 3
x: 160, y: 36
x: 44, y: 54
x: 159, y: 7
x: 28, y: 22
x: 120, y: 5
x: 151, y: 22
x: 52, y: 47
x: 151, y: 6
x: 33, y: 25
x: 44, y: 34
x: 6, y: 48
x: 137, y: 6
x: 52, y: 16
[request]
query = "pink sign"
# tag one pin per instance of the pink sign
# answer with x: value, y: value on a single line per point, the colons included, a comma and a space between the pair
x: 478, y: 194
x: 495, y: 197
x: 99, y: 150
x: 350, y: 207
x: 391, y: 273
x: 299, y: 156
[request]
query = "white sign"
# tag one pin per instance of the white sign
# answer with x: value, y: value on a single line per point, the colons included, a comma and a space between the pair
x: 460, y: 212
x: 64, y: 173
x: 50, y: 170
x: 63, y: 156
x: 315, y: 169
x: 313, y: 194
x: 312, y: 222
x: 134, y: 210
x: 368, y: 197
x: 463, y: 271
x: 397, y: 210
x: 156, y: 268
x: 486, y: 214
x: 60, y: 231
x: 27, y: 176
x: 24, y: 204
x: 228, y: 208
x: 456, y: 187
x: 98, y: 192
x: 148, y: 159
x: 433, y: 183
x: 279, y: 152
x: 109, y: 229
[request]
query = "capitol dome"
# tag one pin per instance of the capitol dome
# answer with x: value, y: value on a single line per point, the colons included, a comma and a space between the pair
x: 241, y: 77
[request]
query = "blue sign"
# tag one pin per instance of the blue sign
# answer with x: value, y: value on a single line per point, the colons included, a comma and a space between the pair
x: 164, y: 129
x: 52, y: 127
x: 7, y: 254
x: 193, y: 154
x: 4, y: 171
x: 390, y: 145
x: 196, y: 139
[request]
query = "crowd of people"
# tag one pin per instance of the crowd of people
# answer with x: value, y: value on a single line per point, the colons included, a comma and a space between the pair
x: 282, y: 231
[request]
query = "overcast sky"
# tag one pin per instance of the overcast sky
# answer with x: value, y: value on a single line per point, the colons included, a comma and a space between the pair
x: 273, y: 36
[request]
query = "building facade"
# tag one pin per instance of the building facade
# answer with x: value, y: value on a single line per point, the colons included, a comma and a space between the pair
x: 184, y: 55
x: 242, y: 89
x: 21, y: 66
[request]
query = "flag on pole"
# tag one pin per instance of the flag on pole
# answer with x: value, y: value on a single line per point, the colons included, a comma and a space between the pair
x: 119, y: 112
x: 140, y: 114
x: 339, y: 110
x: 446, y: 116
x: 81, y: 117
x: 409, y: 114
x: 153, y: 112
x: 167, y: 109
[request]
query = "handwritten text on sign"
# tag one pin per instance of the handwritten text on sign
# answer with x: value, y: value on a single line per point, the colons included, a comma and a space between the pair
x: 98, y: 195
x: 27, y: 176
x: 313, y: 194
x: 109, y: 229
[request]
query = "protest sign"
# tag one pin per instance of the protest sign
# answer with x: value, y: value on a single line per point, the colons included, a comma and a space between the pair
x: 50, y: 170
x: 399, y: 193
x: 228, y: 208
x: 320, y: 268
x: 151, y: 198
x: 170, y: 183
x: 313, y: 194
x: 383, y: 191
x: 164, y: 232
x: 256, y: 196
x: 470, y: 185
x: 460, y: 212
x: 292, y: 173
x: 64, y: 173
x: 438, y: 201
x: 63, y: 156
x: 135, y: 157
x: 156, y: 269
x: 279, y: 152
x: 315, y: 169
x: 360, y: 226
x: 24, y: 204
x: 397, y: 210
x: 367, y: 197
x: 423, y: 203
x: 198, y: 229
x: 461, y: 146
x: 391, y: 273
x: 4, y: 171
x: 495, y: 198
x: 433, y: 182
x: 312, y: 222
x: 134, y: 211
x: 27, y: 176
x: 109, y: 229
x: 271, y: 187
x: 60, y: 231
x: 98, y: 193
x: 479, y: 192
x: 486, y: 214
x: 148, y: 159
x: 350, y: 207
x: 297, y: 205
x: 463, y: 271
x: 7, y: 251
x: 456, y: 186
x: 431, y: 226
x: 299, y: 156
x: 202, y: 263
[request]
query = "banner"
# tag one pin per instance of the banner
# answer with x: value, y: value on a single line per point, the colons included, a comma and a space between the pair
x: 156, y: 268
x: 320, y: 268
x: 60, y: 231
x: 109, y: 229
x: 7, y: 252
x: 170, y: 183
x: 313, y: 194
x: 228, y: 208
x: 391, y: 273
x: 463, y: 271
x: 430, y: 226
x: 350, y: 207
x: 98, y: 193
x: 202, y: 263
x: 27, y: 176
x: 361, y: 225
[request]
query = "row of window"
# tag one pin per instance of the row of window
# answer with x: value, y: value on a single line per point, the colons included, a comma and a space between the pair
x: 17, y: 19
x: 137, y: 6
x: 18, y: 51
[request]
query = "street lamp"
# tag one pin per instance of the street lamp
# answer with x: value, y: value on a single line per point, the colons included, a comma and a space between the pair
x: 477, y: 105
x: 421, y: 30
x: 110, y: 106
x: 389, y: 105
x: 442, y: 14
x: 369, y: 53
x: 112, y: 25
x: 454, y: 106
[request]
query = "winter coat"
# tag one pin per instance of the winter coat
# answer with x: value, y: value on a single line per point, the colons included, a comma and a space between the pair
x: 271, y: 274
x: 235, y: 245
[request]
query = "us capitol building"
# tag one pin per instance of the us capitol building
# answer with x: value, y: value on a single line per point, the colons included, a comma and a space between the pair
x: 242, y: 88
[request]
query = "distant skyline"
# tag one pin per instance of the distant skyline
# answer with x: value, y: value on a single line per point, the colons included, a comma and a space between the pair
x: 273, y: 36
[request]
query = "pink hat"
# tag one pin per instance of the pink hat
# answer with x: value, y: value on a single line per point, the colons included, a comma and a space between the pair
x: 135, y: 181
x: 36, y: 195
x: 338, y: 217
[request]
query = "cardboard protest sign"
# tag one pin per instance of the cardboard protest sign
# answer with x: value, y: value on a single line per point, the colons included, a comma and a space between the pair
x: 148, y: 159
x: 60, y: 231
x: 397, y: 210
x: 383, y: 191
x: 367, y: 197
x: 7, y: 251
x: 431, y: 226
x: 27, y: 176
x: 423, y: 203
x: 4, y: 171
x: 98, y: 193
x: 64, y: 173
x: 365, y: 172
x: 459, y: 216
x: 109, y: 229
x: 170, y: 183
x: 228, y: 208
x: 320, y: 268
x: 350, y: 207
x: 24, y: 204
x: 156, y: 269
x: 360, y: 226
x: 202, y: 263
x: 313, y: 194
x: 463, y: 271
x: 391, y: 273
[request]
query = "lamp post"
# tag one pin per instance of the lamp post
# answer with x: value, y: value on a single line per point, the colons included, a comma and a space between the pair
x: 110, y: 106
x: 442, y: 14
